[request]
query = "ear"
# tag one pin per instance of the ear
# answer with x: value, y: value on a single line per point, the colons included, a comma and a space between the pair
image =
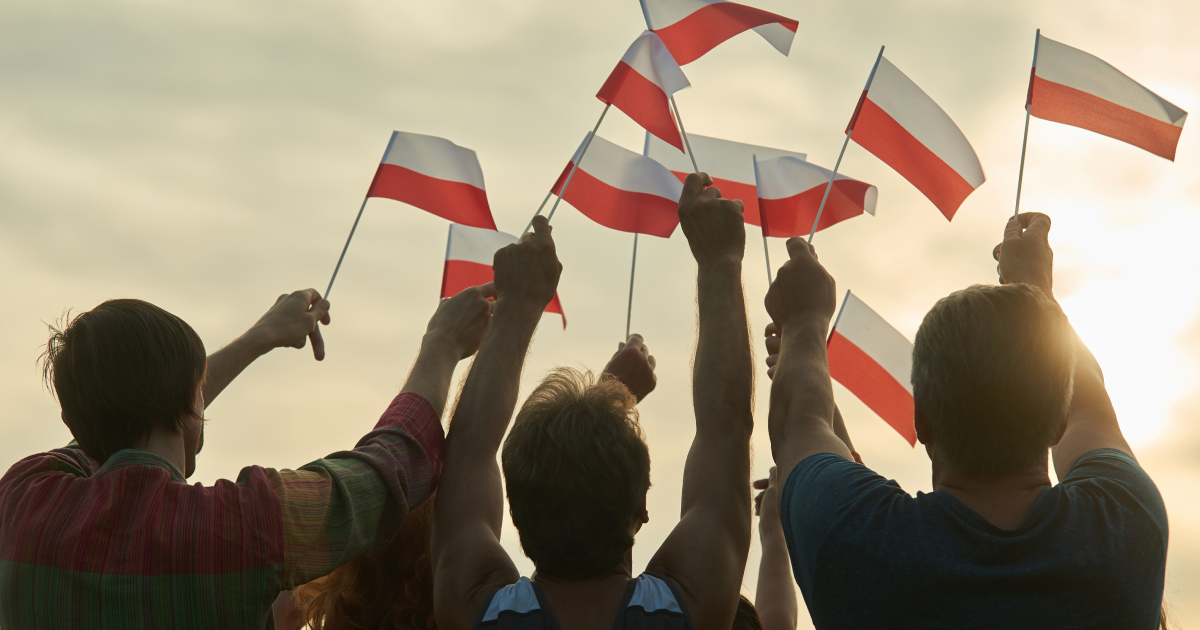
x: 924, y: 431
x: 644, y: 517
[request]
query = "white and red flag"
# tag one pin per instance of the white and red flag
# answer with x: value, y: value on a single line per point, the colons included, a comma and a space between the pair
x: 1072, y: 87
x: 905, y: 128
x: 874, y: 361
x: 790, y: 191
x: 622, y: 190
x: 691, y: 28
x: 469, y: 255
x: 641, y: 86
x: 436, y: 176
x: 730, y: 164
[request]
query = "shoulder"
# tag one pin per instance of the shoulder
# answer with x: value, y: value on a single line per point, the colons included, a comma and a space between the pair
x: 657, y: 593
x: 519, y: 599
x: 1114, y: 483
x: 832, y: 481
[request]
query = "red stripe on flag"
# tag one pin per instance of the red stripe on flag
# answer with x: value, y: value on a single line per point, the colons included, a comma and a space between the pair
x: 1062, y: 104
x: 456, y: 201
x: 873, y: 385
x: 746, y: 193
x: 793, y: 216
x: 642, y: 100
x: 876, y: 131
x: 461, y: 274
x: 704, y: 29
x: 619, y: 209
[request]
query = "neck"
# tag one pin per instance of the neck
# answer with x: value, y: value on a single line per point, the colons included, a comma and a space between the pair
x: 623, y: 571
x: 169, y: 445
x: 1005, y: 499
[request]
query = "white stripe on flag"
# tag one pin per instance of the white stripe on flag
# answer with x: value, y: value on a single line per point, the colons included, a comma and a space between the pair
x: 621, y: 168
x: 721, y: 159
x: 649, y: 57
x: 434, y: 157
x: 863, y: 327
x: 477, y: 245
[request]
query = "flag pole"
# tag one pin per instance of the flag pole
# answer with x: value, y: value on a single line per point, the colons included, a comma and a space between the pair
x: 762, y: 222
x: 539, y: 210
x: 839, y: 315
x: 357, y: 218
x: 562, y: 191
x: 632, y: 270
x: 449, y: 236
x: 849, y: 131
x: 1028, y: 108
x: 675, y: 108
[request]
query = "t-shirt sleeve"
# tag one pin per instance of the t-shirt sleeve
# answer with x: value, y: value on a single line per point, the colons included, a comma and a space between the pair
x: 820, y: 491
x: 351, y: 503
x: 1114, y: 481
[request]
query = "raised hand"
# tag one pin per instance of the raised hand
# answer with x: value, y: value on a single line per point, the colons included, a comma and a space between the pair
x: 766, y: 503
x: 802, y: 291
x: 633, y: 365
x: 527, y: 272
x: 462, y: 320
x: 714, y: 227
x: 773, y: 343
x: 1025, y: 256
x: 292, y: 321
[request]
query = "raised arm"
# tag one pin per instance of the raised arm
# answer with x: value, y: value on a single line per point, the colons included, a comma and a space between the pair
x: 706, y: 552
x: 468, y: 561
x: 292, y: 320
x: 775, y: 598
x: 773, y: 344
x: 801, y: 420
x: 1025, y: 257
x: 633, y: 365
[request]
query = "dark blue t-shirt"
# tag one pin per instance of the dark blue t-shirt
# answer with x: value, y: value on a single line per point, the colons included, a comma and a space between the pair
x: 1091, y: 554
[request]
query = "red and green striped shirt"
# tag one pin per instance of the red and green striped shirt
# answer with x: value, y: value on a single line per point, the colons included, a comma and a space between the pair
x: 129, y: 544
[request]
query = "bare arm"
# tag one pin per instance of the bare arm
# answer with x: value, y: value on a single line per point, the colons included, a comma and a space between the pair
x: 706, y: 552
x: 633, y: 365
x: 775, y: 598
x: 468, y: 561
x: 773, y: 344
x: 1025, y: 257
x: 292, y: 320
x: 801, y: 421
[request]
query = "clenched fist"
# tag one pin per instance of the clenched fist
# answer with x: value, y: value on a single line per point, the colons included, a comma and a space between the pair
x: 714, y: 227
x: 1025, y: 256
x: 527, y: 272
x: 802, y: 291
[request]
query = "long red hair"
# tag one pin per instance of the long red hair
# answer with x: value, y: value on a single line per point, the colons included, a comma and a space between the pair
x: 391, y: 589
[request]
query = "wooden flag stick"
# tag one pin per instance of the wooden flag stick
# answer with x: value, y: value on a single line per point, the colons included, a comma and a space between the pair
x: 762, y: 222
x: 849, y: 131
x: 632, y: 271
x: 1028, y: 107
x: 357, y: 218
x: 562, y: 191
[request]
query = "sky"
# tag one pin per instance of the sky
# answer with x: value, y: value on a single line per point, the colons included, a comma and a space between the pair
x: 207, y: 157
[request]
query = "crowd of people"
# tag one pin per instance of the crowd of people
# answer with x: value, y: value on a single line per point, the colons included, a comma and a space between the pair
x: 403, y: 530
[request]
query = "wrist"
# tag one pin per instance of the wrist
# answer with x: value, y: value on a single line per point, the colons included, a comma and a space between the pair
x: 518, y: 309
x: 728, y: 262
x: 439, y: 344
x: 256, y: 341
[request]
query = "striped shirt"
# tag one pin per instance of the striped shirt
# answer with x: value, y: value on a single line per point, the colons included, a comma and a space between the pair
x: 129, y: 544
x: 650, y: 603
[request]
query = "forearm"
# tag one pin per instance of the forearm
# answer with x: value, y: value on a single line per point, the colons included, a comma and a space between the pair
x: 775, y: 597
x: 1092, y: 422
x: 723, y: 374
x: 226, y: 364
x: 801, y: 396
x: 432, y: 371
x: 839, y: 428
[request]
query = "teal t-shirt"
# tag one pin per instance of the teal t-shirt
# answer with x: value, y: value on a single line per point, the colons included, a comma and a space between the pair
x: 1091, y: 554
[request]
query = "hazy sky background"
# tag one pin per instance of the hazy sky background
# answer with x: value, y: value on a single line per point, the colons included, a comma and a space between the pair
x: 209, y: 156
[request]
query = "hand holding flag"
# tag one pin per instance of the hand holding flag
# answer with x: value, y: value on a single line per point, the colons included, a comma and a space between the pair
x: 803, y: 292
x: 470, y: 254
x: 713, y: 226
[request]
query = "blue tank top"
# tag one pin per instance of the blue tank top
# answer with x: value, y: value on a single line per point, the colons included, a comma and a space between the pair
x: 650, y: 603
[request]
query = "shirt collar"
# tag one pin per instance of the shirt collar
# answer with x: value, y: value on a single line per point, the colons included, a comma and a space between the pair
x: 134, y: 457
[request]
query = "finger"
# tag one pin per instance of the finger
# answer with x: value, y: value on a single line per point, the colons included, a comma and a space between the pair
x: 487, y: 290
x: 694, y: 185
x: 318, y: 344
x: 635, y: 340
x: 758, y: 505
x: 773, y: 344
x: 645, y: 350
x: 771, y: 372
x: 796, y: 246
x: 1012, y: 229
x: 772, y: 360
x: 620, y: 346
x: 311, y: 295
x: 541, y: 226
x: 319, y: 311
x: 774, y: 478
x: 761, y: 484
x: 772, y: 330
x: 996, y: 251
x: 1036, y: 225
x: 653, y: 363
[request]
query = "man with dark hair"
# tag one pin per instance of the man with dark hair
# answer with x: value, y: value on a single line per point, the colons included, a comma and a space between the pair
x: 107, y: 533
x: 999, y: 379
x: 577, y: 467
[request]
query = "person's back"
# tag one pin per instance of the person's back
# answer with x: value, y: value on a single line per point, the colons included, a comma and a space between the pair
x: 999, y: 377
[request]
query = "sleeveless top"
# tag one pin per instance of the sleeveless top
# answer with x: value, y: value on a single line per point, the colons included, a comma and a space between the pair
x: 650, y: 603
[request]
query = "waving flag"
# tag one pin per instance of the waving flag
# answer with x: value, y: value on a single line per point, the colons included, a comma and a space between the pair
x: 790, y: 191
x: 641, y: 85
x: 905, y: 128
x: 691, y: 28
x: 469, y: 256
x: 1072, y: 87
x: 874, y: 361
x: 622, y: 190
x: 436, y: 176
x: 730, y: 164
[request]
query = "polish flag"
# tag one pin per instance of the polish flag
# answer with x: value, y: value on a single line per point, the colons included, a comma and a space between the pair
x: 436, y: 176
x: 691, y: 28
x: 874, y: 361
x: 641, y: 85
x: 622, y: 190
x: 905, y: 128
x: 469, y: 255
x: 1072, y: 87
x: 790, y: 192
x: 730, y: 164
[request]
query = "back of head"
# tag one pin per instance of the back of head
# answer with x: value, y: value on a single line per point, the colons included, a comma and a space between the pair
x: 576, y: 469
x: 992, y: 374
x: 746, y: 617
x: 121, y: 369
